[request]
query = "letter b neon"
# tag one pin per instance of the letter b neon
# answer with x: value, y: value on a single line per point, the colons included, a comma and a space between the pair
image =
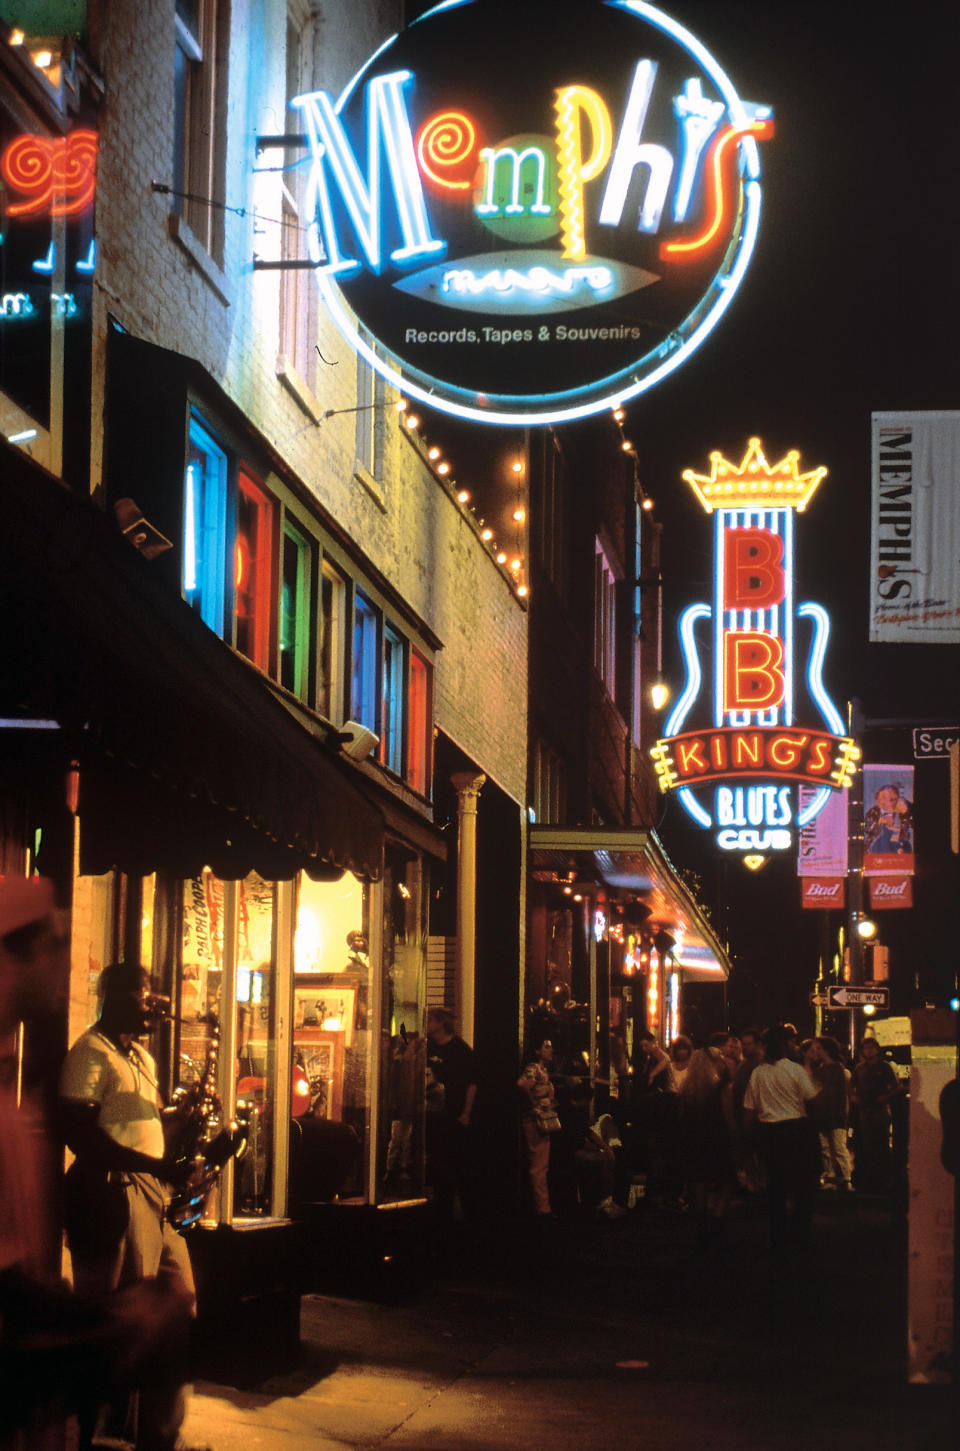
x: 752, y: 674
x: 753, y: 576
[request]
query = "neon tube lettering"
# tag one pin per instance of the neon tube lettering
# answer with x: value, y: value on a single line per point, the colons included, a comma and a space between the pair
x: 786, y: 751
x: 698, y: 119
x: 492, y: 156
x: 689, y: 758
x: 631, y: 153
x: 753, y: 678
x: 447, y: 140
x: 717, y: 202
x: 57, y: 173
x: 571, y: 101
x: 747, y: 750
x: 16, y: 304
x: 753, y: 573
x: 387, y: 125
x: 538, y: 280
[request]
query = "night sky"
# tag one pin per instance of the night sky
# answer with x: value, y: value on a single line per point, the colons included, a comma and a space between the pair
x: 850, y: 306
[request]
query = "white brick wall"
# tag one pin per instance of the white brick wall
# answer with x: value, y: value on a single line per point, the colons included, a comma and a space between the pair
x: 414, y: 532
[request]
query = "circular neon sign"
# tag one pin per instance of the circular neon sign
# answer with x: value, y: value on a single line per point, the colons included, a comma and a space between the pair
x: 533, y: 219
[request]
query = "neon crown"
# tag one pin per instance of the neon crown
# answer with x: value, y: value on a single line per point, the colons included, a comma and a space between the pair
x: 754, y: 481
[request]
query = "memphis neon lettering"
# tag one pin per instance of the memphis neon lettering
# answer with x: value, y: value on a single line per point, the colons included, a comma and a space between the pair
x: 542, y: 181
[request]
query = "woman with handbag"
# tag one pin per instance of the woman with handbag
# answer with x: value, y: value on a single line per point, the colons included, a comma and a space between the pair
x: 539, y: 1121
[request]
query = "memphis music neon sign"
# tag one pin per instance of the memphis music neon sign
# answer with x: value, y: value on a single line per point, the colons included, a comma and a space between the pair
x: 734, y: 772
x: 533, y: 212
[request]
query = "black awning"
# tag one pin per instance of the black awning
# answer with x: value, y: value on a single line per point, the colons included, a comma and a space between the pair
x: 187, y: 758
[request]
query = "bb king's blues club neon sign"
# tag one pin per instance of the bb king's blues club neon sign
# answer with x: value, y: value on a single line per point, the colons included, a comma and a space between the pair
x: 764, y: 724
x: 534, y: 210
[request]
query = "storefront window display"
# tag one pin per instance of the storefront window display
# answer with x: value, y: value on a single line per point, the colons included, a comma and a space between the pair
x: 331, y: 1039
x: 226, y: 1006
x: 270, y: 989
x: 400, y: 1158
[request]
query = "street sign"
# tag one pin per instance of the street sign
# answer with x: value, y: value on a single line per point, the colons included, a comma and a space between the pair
x: 933, y: 743
x: 818, y: 1000
x: 858, y: 997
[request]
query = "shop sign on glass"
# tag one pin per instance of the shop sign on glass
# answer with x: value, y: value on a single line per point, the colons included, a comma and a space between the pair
x: 743, y: 749
x: 533, y: 210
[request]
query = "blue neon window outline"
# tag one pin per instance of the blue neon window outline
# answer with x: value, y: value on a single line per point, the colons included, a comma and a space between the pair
x: 393, y: 698
x: 365, y: 677
x: 619, y: 388
x: 203, y: 573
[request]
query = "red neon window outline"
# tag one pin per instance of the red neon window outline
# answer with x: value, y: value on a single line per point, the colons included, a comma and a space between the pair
x: 253, y: 572
x: 418, y: 740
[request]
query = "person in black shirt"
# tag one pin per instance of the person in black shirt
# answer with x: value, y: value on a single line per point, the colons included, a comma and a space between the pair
x: 451, y: 1092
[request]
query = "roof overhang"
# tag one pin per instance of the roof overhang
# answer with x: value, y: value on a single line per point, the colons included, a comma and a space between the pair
x: 626, y: 863
x: 187, y: 757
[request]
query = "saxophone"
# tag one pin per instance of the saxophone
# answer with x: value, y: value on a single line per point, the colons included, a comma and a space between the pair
x: 201, y: 1142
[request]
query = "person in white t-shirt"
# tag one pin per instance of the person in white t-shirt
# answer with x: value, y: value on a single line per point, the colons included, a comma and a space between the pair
x: 117, y: 1191
x: 776, y: 1098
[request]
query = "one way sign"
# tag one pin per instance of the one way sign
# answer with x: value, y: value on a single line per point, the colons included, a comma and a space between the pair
x: 858, y: 997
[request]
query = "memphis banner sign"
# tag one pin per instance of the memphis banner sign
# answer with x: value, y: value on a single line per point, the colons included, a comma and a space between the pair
x: 533, y: 211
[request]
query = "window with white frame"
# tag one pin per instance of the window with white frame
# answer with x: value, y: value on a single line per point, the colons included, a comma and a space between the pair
x: 371, y: 398
x: 333, y: 617
x: 549, y: 519
x: 296, y: 611
x: 548, y: 789
x: 365, y: 679
x: 298, y: 292
x: 604, y: 620
x: 199, y: 122
x: 392, y: 700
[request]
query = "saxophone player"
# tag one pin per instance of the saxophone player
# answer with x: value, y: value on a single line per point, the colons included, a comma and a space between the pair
x: 117, y: 1190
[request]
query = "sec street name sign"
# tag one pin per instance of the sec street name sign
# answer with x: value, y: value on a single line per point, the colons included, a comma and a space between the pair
x: 858, y: 997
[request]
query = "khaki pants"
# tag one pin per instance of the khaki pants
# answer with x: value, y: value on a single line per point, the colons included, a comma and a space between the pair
x: 119, y: 1236
x: 538, y: 1161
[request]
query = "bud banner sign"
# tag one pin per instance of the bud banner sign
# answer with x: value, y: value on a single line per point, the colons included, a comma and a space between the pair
x: 736, y: 745
x: 825, y: 894
x: 887, y: 893
x: 533, y: 210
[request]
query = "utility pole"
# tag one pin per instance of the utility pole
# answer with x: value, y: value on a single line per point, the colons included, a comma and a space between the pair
x: 855, y: 863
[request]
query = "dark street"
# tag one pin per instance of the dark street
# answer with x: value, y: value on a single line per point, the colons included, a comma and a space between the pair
x: 612, y: 1333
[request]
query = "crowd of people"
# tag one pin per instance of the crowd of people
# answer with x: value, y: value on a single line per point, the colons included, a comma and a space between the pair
x: 686, y: 1127
x: 690, y: 1126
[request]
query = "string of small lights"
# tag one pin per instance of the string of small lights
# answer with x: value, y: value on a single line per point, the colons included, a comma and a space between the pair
x: 511, y: 562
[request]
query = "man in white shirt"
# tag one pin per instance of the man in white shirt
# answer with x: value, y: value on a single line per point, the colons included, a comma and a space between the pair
x: 117, y: 1191
x: 776, y: 1098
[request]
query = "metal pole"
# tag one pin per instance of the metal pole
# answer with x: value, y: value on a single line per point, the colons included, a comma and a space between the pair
x: 468, y: 785
x: 855, y: 863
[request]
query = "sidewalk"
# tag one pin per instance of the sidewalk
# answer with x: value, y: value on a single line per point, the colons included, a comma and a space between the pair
x: 611, y: 1333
